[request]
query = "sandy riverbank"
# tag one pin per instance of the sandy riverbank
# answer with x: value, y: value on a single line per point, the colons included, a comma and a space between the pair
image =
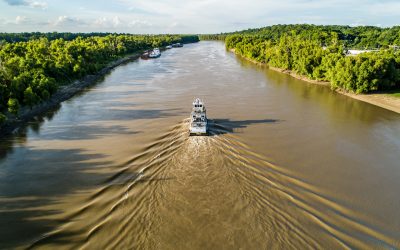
x: 382, y: 100
x: 63, y: 93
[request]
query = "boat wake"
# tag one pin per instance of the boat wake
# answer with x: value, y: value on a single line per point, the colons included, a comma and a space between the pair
x: 208, y: 192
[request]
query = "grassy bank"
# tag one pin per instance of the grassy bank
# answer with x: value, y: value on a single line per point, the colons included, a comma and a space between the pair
x: 397, y: 95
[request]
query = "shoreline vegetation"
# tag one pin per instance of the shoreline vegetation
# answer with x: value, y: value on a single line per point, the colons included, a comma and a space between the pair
x: 384, y: 100
x: 39, y: 74
x: 64, y: 93
x: 361, y: 62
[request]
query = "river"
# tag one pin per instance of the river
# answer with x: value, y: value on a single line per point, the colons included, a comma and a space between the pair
x: 288, y: 164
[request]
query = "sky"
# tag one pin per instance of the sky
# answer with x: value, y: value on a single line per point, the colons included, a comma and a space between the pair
x: 188, y: 16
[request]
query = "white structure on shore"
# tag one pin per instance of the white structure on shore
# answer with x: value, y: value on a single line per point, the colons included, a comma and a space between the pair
x: 353, y: 52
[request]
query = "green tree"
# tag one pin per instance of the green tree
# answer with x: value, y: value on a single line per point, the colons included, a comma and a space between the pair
x: 13, y: 106
x: 30, y: 98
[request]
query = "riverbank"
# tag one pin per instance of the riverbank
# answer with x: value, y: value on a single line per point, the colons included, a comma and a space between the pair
x: 63, y: 93
x: 382, y: 100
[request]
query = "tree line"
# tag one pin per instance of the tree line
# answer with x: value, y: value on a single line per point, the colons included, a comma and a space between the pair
x: 360, y: 37
x: 220, y: 37
x: 27, y: 36
x: 31, y: 71
x: 67, y: 36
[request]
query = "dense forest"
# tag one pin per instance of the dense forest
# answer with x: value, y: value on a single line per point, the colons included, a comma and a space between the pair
x: 31, y: 71
x: 319, y: 52
x: 27, y: 36
x: 360, y: 37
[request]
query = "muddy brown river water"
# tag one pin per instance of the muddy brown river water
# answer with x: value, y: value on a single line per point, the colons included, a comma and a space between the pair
x: 287, y: 165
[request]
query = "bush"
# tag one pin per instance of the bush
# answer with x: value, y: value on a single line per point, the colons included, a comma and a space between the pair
x: 13, y: 106
x: 3, y: 119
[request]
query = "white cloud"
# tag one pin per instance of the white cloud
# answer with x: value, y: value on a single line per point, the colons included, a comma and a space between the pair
x: 41, y: 5
x: 116, y: 22
x: 30, y: 3
x: 121, y: 23
x: 139, y: 24
x: 101, y: 22
x: 67, y: 21
x: 20, y: 20
x: 104, y: 22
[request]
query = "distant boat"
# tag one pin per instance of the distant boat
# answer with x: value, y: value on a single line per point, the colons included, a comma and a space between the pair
x: 198, y: 118
x: 177, y: 45
x: 155, y: 53
x: 169, y: 47
x: 145, y: 55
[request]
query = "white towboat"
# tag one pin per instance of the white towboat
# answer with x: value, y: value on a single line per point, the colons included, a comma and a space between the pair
x: 198, y: 118
x: 155, y: 53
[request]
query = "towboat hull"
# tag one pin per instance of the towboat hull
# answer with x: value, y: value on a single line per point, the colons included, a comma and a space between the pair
x: 154, y: 56
x: 198, y: 130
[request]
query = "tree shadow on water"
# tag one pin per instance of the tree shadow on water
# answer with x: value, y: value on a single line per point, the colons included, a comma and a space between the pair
x: 116, y: 114
x: 226, y: 126
x: 86, y: 132
x: 8, y: 140
x: 34, y: 183
x: 78, y: 129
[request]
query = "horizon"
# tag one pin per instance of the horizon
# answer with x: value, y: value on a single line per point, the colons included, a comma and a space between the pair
x: 191, y: 17
x: 218, y: 33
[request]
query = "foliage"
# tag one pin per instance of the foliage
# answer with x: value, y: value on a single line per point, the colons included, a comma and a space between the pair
x: 396, y: 95
x: 311, y: 51
x: 27, y: 36
x: 13, y: 106
x: 221, y: 36
x: 31, y: 71
x: 189, y: 39
x: 361, y: 37
x: 3, y: 119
